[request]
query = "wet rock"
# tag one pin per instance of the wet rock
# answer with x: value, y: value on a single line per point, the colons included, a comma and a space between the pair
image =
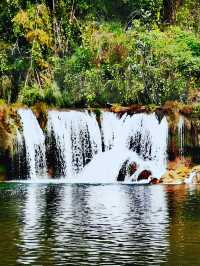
x: 145, y: 174
x: 2, y: 172
x: 127, y: 169
x: 159, y: 114
x: 41, y: 112
x: 177, y: 171
x: 154, y: 181
x: 194, y: 176
x: 176, y: 176
x: 123, y: 171
x: 50, y: 172
x: 132, y: 168
x: 132, y: 109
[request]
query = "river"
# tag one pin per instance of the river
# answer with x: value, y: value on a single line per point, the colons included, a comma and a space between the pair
x: 110, y: 224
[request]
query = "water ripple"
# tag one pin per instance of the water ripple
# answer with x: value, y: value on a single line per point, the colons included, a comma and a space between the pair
x: 98, y: 225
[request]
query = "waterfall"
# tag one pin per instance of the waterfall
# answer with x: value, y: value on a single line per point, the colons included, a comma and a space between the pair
x: 181, y: 135
x: 110, y: 128
x: 139, y: 139
x: 34, y: 144
x: 80, y: 148
x: 77, y: 138
x: 141, y: 133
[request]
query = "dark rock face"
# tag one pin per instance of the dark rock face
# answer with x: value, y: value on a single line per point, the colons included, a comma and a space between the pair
x: 173, y: 149
x: 132, y: 168
x: 123, y: 171
x: 127, y: 169
x: 154, y: 181
x: 14, y: 163
x: 18, y: 167
x: 159, y: 115
x: 191, y: 140
x: 145, y: 174
x: 193, y: 145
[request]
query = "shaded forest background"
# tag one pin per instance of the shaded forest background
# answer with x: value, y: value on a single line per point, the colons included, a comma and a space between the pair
x: 93, y: 52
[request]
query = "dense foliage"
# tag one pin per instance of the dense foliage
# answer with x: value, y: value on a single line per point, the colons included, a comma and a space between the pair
x: 83, y: 52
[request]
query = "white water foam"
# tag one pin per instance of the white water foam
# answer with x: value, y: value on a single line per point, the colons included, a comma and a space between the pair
x: 149, y: 135
x: 34, y: 144
x: 139, y: 139
x: 77, y: 137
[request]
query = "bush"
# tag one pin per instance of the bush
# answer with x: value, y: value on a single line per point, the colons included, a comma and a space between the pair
x: 52, y: 95
x: 31, y: 95
x: 137, y: 66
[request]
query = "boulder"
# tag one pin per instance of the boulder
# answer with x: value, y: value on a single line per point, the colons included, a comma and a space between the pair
x: 145, y: 174
x: 122, y: 172
x: 194, y: 175
x: 175, y: 176
x: 127, y: 169
x: 154, y: 181
x: 132, y: 168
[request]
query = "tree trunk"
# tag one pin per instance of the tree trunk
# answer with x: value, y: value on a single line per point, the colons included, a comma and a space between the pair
x: 170, y: 8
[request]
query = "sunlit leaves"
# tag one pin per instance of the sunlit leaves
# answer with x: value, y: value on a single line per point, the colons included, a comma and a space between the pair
x: 34, y: 24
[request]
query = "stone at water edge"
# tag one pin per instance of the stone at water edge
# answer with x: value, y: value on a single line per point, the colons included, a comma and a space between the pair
x: 122, y: 172
x: 132, y: 168
x: 194, y: 176
x: 127, y: 168
x: 154, y: 181
x: 144, y: 175
x: 175, y: 176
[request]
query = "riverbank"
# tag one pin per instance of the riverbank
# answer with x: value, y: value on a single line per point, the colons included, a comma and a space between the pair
x: 180, y: 172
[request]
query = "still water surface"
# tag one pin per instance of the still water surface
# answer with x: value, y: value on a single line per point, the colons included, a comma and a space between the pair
x: 78, y: 224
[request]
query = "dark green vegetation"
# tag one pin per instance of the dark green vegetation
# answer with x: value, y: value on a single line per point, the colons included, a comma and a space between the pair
x: 89, y: 53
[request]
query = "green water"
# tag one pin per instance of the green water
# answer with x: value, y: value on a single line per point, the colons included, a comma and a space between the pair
x: 59, y: 224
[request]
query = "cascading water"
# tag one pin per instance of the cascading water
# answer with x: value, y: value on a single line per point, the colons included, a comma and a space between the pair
x: 110, y: 129
x: 19, y: 157
x: 34, y: 144
x: 77, y: 139
x: 80, y: 149
x: 181, y: 135
x: 138, y: 139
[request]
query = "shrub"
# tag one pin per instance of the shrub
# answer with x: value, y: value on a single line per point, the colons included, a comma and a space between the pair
x: 52, y: 95
x: 31, y: 95
x: 136, y: 66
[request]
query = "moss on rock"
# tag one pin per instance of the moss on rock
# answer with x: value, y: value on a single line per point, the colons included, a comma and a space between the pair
x: 177, y: 171
x: 41, y: 112
x: 8, y: 127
